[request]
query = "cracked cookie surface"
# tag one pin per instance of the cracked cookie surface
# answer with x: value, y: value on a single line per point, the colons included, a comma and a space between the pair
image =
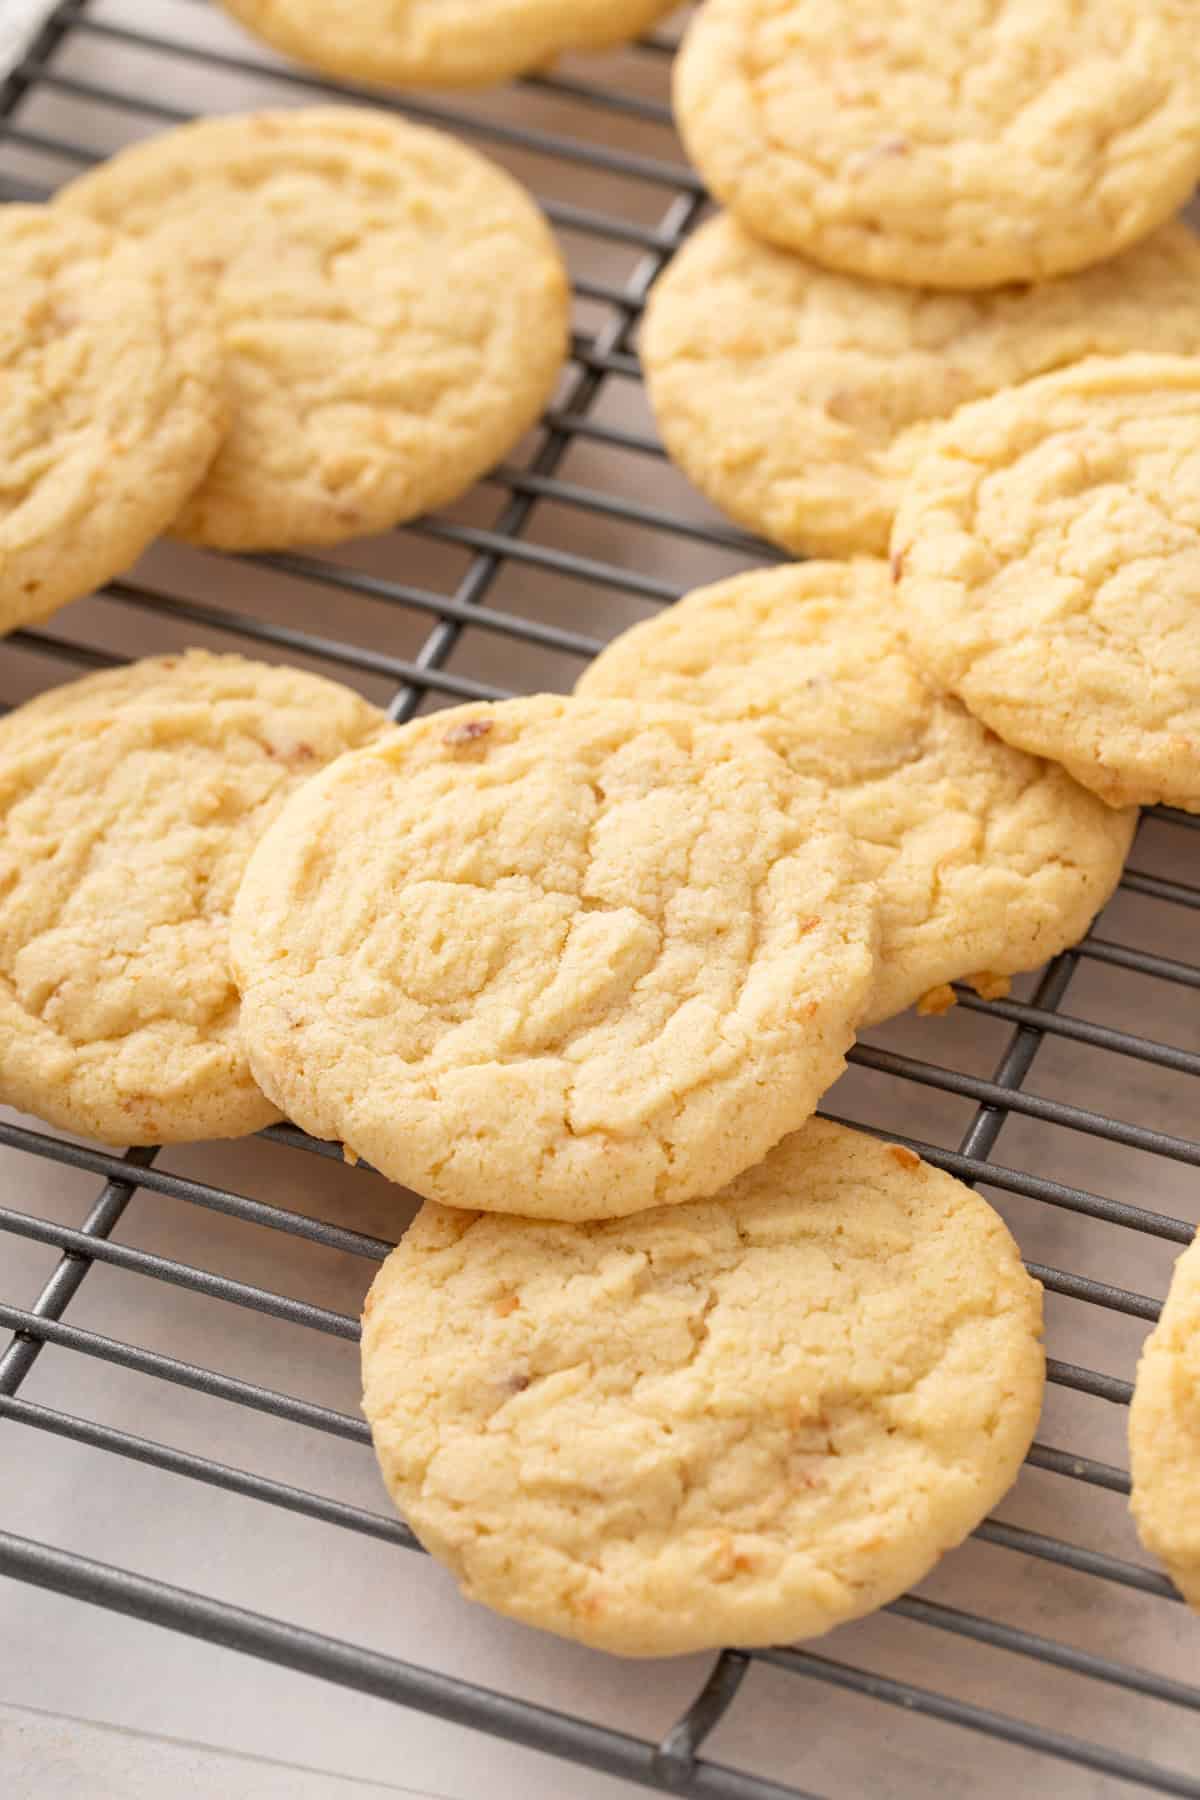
x: 391, y: 305
x: 555, y: 957
x: 798, y: 399
x: 1048, y: 553
x: 129, y: 804
x: 953, y: 147
x: 986, y: 859
x: 738, y: 1421
x: 111, y: 407
x: 1164, y: 1432
x: 441, y: 43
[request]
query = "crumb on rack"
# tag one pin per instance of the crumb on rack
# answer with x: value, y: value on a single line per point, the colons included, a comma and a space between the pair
x: 990, y: 986
x: 908, y: 1159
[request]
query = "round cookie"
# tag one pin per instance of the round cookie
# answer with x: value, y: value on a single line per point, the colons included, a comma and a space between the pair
x: 952, y: 147
x: 392, y: 308
x: 111, y: 407
x: 189, y: 677
x: 1164, y: 1432
x: 1048, y: 553
x: 986, y: 859
x: 740, y: 1421
x: 441, y: 43
x: 562, y: 958
x: 129, y: 805
x: 798, y: 399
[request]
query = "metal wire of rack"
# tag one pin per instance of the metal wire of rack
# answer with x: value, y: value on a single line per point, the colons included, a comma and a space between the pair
x: 559, y: 548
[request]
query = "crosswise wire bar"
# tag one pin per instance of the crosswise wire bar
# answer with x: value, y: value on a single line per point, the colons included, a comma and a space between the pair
x: 439, y: 113
x: 340, y: 1325
x: 367, y: 1672
x: 681, y: 1746
x: 641, y: 168
x: 997, y: 1097
x: 1070, y: 1464
x: 1043, y: 1649
x: 183, y: 1275
x: 30, y: 30
x: 68, y: 1277
x: 186, y: 1375
x: 985, y: 1721
x: 117, y: 1169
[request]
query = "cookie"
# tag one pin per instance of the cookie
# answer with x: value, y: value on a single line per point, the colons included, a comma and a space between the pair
x: 111, y: 407
x: 1164, y: 1432
x: 740, y: 1421
x: 797, y: 399
x: 985, y: 858
x: 941, y: 146
x: 1048, y: 553
x: 563, y: 958
x: 391, y: 305
x: 429, y: 43
x: 129, y: 804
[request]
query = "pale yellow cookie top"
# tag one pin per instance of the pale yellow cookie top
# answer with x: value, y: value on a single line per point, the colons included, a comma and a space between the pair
x: 1164, y: 1432
x: 952, y: 146
x: 797, y: 398
x: 441, y: 43
x: 987, y: 859
x: 557, y: 957
x: 391, y: 305
x: 1048, y: 553
x: 129, y: 804
x: 111, y: 407
x: 739, y: 1421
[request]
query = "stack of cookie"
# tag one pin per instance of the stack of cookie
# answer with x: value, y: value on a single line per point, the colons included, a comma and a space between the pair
x: 947, y: 316
x: 426, y: 43
x: 986, y: 861
x: 663, y: 1363
x: 846, y: 362
x: 260, y: 332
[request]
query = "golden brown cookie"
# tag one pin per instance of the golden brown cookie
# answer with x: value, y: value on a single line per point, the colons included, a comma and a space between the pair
x: 952, y: 147
x: 129, y: 805
x: 392, y: 308
x: 441, y: 43
x: 985, y: 858
x: 111, y: 406
x: 1048, y: 553
x: 798, y: 399
x: 1164, y: 1432
x: 739, y: 1421
x: 557, y: 957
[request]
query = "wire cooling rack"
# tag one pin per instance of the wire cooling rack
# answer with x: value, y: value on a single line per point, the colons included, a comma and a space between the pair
x: 1046, y: 1650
